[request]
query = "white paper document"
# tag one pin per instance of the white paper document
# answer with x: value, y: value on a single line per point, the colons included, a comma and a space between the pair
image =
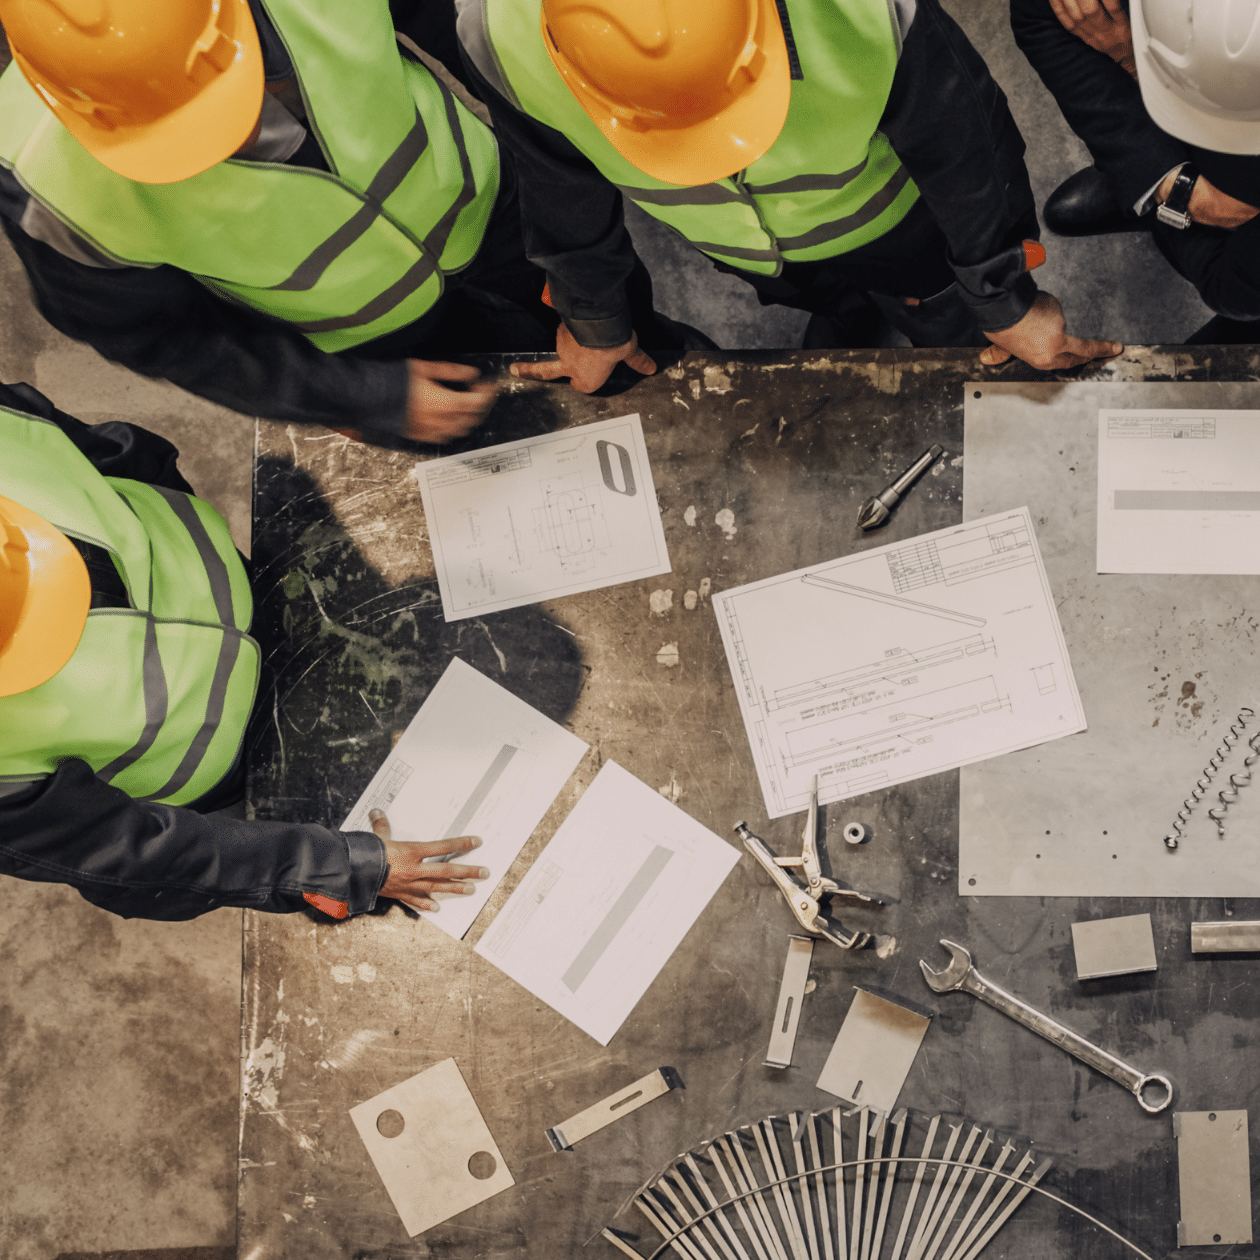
x: 607, y: 902
x: 899, y: 662
x: 475, y: 761
x: 549, y: 516
x: 1179, y: 491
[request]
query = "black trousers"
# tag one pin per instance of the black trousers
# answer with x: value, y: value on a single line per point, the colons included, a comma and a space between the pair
x: 1225, y: 268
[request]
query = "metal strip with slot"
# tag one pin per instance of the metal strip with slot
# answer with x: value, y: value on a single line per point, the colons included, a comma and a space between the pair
x: 787, y: 1014
x: 563, y: 1135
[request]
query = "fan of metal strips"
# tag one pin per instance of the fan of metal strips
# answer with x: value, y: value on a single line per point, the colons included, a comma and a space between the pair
x: 806, y: 1187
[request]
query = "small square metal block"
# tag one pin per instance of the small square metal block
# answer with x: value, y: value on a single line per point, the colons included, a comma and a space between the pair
x: 1113, y: 947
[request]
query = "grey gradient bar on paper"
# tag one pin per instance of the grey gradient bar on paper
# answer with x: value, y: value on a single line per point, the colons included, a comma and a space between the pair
x: 1188, y: 500
x: 500, y: 763
x: 616, y: 918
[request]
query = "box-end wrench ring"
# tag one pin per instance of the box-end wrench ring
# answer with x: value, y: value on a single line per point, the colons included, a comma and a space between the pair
x: 961, y: 974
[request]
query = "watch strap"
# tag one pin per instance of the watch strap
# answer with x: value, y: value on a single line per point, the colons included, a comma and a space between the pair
x: 1176, y: 208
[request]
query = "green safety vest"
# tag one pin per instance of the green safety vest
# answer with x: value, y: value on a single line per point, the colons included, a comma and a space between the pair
x: 156, y: 696
x: 343, y: 257
x: 827, y: 185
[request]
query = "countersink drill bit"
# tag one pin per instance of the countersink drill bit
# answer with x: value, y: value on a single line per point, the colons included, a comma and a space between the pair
x: 874, y: 512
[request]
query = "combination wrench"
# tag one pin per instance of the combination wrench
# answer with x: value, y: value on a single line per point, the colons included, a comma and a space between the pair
x: 961, y: 974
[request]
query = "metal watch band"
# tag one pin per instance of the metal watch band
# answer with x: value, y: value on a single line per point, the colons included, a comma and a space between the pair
x: 1176, y: 209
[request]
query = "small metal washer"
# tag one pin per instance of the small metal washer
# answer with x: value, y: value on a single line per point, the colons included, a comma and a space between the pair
x: 855, y: 833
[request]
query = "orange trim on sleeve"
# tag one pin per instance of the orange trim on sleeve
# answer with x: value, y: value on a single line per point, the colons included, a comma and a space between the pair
x: 334, y: 909
x: 1034, y: 255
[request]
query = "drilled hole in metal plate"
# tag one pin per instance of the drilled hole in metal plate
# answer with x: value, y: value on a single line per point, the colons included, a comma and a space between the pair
x: 971, y: 883
x: 1211, y: 1115
x: 482, y: 1165
x: 390, y: 1124
x: 1216, y: 1238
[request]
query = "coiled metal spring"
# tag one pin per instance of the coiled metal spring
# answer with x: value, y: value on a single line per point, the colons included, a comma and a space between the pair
x: 1228, y: 794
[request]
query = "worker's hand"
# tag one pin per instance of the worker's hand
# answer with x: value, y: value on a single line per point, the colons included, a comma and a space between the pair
x: 1042, y: 341
x: 587, y: 369
x: 412, y: 880
x: 437, y: 414
x: 1102, y: 24
x: 1208, y: 205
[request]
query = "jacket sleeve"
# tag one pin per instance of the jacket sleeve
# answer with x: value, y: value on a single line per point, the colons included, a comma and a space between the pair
x: 141, y: 860
x: 573, y: 224
x: 948, y: 122
x: 162, y: 323
x: 1101, y: 102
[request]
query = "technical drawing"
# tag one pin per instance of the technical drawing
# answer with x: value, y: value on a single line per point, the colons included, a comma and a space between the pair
x: 897, y: 667
x: 962, y: 555
x: 389, y: 787
x: 899, y: 721
x: 896, y: 601
x: 553, y: 515
x: 841, y: 674
x: 570, y: 524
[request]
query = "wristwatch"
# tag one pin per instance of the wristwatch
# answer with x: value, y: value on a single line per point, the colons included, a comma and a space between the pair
x: 1176, y: 209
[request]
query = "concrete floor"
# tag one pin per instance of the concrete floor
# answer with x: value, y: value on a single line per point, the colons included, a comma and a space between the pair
x: 119, y: 1040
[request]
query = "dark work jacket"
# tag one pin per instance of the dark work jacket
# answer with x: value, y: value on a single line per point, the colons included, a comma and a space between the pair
x: 946, y: 119
x: 143, y: 860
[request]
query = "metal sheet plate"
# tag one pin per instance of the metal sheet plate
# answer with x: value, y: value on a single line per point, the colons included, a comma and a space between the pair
x: 1113, y: 947
x: 1163, y: 663
x: 1214, y: 1168
x: 873, y: 1052
x: 435, y: 1165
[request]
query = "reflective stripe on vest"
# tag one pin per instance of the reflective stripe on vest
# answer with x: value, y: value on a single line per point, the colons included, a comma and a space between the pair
x: 157, y: 696
x: 830, y: 182
x: 345, y: 257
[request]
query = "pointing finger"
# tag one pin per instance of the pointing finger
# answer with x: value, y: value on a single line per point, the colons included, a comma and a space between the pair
x: 1093, y: 349
x: 642, y: 362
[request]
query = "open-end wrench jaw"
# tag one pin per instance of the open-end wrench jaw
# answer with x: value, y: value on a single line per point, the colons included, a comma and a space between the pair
x: 953, y: 976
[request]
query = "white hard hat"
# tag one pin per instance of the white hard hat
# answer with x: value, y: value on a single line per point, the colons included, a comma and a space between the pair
x: 1198, y: 66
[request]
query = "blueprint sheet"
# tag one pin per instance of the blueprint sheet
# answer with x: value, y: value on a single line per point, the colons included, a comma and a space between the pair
x: 899, y: 662
x: 549, y: 516
x: 1164, y: 664
x: 607, y: 902
x: 1179, y: 491
x: 474, y: 761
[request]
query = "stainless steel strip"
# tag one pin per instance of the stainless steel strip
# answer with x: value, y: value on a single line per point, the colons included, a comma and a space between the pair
x: 914, y: 1188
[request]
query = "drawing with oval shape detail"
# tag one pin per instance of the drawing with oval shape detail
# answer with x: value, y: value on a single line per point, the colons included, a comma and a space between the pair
x: 548, y: 516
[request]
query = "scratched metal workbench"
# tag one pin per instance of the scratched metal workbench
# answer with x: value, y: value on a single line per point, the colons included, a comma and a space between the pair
x: 785, y: 447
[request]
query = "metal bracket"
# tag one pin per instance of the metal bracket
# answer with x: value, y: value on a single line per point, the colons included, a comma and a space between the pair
x: 787, y: 1013
x: 563, y: 1135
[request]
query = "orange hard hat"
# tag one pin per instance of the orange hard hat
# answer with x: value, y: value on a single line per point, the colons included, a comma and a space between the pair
x: 45, y: 595
x: 156, y: 90
x: 689, y: 91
